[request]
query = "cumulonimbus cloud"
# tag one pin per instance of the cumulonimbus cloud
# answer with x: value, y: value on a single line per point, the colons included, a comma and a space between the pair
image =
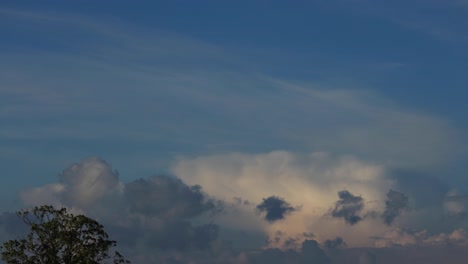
x: 154, y: 212
x: 338, y: 242
x: 165, y: 218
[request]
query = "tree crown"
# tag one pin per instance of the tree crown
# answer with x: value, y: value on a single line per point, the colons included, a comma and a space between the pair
x: 57, y: 237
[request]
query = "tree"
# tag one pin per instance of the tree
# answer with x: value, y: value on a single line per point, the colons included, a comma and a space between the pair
x: 57, y: 237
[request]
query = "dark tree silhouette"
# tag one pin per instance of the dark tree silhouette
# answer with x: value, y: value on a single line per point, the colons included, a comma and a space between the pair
x: 57, y: 237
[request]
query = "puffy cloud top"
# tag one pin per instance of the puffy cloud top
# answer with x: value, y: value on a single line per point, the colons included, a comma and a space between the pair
x: 81, y: 185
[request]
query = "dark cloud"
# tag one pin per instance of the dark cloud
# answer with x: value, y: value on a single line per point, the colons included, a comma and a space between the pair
x: 348, y: 207
x: 275, y: 208
x: 338, y: 242
x: 367, y: 258
x: 310, y: 252
x: 208, y: 256
x: 167, y: 197
x: 169, y: 205
x: 239, y: 201
x: 274, y: 256
x: 127, y: 236
x: 284, y: 240
x: 404, y: 255
x: 160, y: 213
x: 277, y: 238
x: 395, y: 203
x: 291, y: 242
x: 182, y: 235
x: 425, y: 190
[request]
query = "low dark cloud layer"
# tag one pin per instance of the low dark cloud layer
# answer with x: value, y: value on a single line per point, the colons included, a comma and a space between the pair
x: 367, y: 258
x: 275, y: 208
x: 426, y: 191
x: 283, y: 240
x: 312, y: 253
x: 166, y: 197
x: 162, y: 208
x: 336, y: 243
x: 309, y: 252
x: 348, y: 207
x: 395, y: 203
x: 182, y: 235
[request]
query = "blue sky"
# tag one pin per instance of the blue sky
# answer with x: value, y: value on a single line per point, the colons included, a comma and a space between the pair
x: 179, y: 87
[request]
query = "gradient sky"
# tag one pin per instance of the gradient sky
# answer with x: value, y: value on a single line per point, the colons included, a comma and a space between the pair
x: 249, y: 99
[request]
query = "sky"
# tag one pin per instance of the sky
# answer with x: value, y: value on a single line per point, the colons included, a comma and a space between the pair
x: 242, y: 131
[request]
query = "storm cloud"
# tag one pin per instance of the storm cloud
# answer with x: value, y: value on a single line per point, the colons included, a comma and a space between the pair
x: 348, y: 207
x: 309, y: 252
x: 367, y: 258
x: 275, y: 208
x: 182, y: 235
x: 395, y: 203
x: 166, y: 197
x: 163, y: 219
x: 338, y: 242
x: 156, y: 212
x: 312, y: 253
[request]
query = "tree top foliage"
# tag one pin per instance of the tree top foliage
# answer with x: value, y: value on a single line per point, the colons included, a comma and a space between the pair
x: 57, y: 237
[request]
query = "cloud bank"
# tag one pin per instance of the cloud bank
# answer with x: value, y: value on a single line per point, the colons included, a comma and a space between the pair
x: 199, y: 214
x: 147, y: 213
x: 368, y: 213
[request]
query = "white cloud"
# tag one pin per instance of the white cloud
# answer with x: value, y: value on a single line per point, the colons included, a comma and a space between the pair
x: 165, y: 213
x: 87, y: 182
x: 48, y: 194
x: 310, y: 181
x: 80, y: 186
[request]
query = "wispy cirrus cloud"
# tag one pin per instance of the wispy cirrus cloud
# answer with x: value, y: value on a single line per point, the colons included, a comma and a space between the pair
x: 187, y: 96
